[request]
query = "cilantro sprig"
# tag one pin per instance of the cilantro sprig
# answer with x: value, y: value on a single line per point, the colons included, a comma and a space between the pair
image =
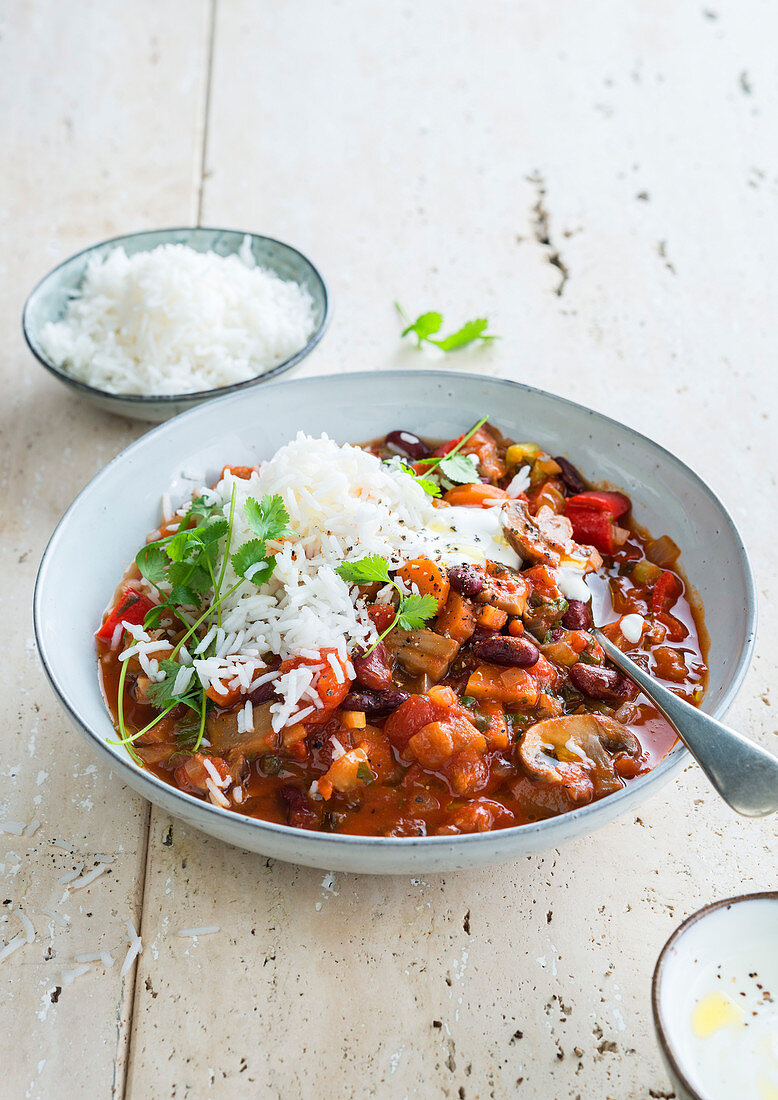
x: 412, y: 612
x: 427, y: 325
x: 182, y: 568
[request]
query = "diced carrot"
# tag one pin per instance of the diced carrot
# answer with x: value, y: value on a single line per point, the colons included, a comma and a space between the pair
x: 497, y: 732
x: 349, y: 771
x: 476, y: 495
x: 437, y: 741
x: 513, y: 686
x: 428, y: 578
x: 244, y: 472
x: 492, y: 617
x: 353, y: 719
x: 443, y: 695
x: 293, y: 735
x: 228, y: 699
x: 457, y: 619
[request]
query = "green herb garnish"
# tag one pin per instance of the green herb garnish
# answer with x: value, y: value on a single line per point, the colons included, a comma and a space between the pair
x: 412, y: 612
x: 427, y: 325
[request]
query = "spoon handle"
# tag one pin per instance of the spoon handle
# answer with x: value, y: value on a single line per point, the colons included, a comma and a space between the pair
x: 744, y: 774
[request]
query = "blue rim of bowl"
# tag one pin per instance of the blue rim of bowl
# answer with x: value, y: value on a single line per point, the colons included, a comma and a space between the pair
x: 594, y: 810
x: 194, y: 395
x: 662, y: 1032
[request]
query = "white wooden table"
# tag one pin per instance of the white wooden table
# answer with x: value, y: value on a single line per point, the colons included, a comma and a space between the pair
x: 601, y: 180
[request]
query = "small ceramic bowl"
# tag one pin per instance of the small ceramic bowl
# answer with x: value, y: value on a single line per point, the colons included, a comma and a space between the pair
x: 715, y: 1001
x: 94, y: 540
x: 50, y: 298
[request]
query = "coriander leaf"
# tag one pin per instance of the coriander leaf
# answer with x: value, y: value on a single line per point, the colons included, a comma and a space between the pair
x: 211, y: 531
x: 152, y: 563
x: 184, y: 596
x: 153, y: 615
x: 179, y: 546
x: 193, y: 576
x: 459, y: 468
x: 366, y: 571
x: 426, y: 483
x: 199, y: 509
x: 161, y: 694
x: 253, y: 553
x: 414, y: 611
x: 470, y: 331
x: 268, y: 519
x: 365, y: 774
x: 424, y: 326
x: 428, y: 324
x: 430, y: 487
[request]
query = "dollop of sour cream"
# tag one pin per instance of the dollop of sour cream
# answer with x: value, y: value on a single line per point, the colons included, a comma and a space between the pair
x: 631, y: 626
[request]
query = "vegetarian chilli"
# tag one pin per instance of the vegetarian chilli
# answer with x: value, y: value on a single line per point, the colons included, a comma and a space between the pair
x: 394, y: 639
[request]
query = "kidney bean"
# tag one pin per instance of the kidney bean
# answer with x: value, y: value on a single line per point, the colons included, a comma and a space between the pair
x: 602, y: 683
x: 572, y: 479
x: 373, y: 671
x: 481, y: 634
x: 406, y: 443
x: 467, y: 580
x: 577, y: 616
x: 264, y: 693
x: 505, y: 650
x: 376, y: 703
x: 299, y: 813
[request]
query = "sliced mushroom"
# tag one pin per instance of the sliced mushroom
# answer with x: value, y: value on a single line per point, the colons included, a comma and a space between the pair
x: 423, y: 652
x: 525, y: 535
x: 574, y: 752
x: 224, y: 735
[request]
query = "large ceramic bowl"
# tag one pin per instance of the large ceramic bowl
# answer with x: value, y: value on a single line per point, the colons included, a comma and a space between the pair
x: 95, y: 539
x: 49, y: 299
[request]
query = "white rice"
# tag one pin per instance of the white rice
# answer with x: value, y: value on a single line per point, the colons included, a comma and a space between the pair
x: 173, y: 320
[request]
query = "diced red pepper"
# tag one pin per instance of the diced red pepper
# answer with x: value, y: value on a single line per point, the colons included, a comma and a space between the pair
x: 132, y: 608
x: 595, y: 528
x: 444, y: 448
x: 666, y: 591
x: 598, y: 500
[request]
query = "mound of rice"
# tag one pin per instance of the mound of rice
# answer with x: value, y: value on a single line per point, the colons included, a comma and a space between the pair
x: 175, y: 321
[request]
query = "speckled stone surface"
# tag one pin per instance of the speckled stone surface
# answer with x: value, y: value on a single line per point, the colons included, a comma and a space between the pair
x: 601, y: 181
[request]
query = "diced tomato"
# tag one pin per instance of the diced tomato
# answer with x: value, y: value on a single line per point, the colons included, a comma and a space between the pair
x: 409, y: 718
x: 331, y: 692
x: 542, y: 581
x: 132, y: 608
x: 382, y: 615
x: 612, y: 504
x: 544, y: 673
x: 594, y: 528
x: 666, y: 591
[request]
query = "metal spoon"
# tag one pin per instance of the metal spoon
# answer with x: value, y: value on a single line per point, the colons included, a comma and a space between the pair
x: 745, y: 775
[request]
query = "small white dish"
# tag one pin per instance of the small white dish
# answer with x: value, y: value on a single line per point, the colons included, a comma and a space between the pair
x: 715, y: 1001
x: 98, y: 535
x: 49, y: 300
